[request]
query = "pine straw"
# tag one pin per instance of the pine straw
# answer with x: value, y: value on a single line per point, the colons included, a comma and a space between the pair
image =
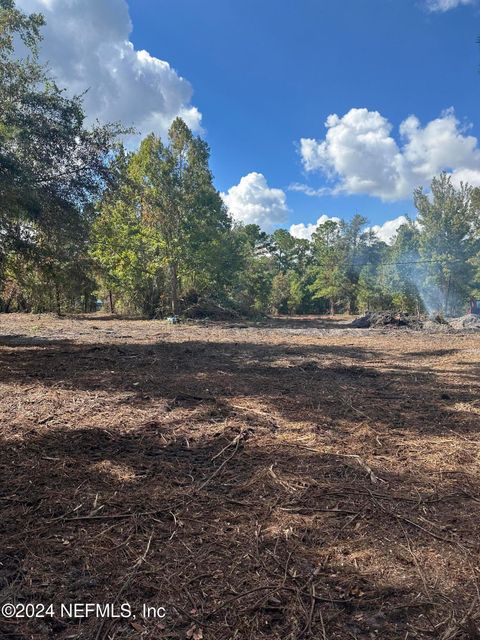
x: 278, y: 482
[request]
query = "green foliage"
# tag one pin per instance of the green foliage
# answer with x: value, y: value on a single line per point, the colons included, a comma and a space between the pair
x: 51, y: 165
x: 336, y: 249
x: 126, y: 259
x: 475, y: 259
x: 446, y: 244
x: 370, y: 295
x: 164, y: 231
x: 399, y: 272
x: 280, y: 293
x: 252, y: 282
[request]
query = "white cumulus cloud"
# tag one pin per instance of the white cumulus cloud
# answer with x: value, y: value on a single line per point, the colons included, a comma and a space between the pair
x: 252, y: 201
x: 385, y: 232
x: 309, y: 191
x: 361, y: 156
x: 388, y: 230
x: 87, y: 45
x: 305, y: 231
x: 446, y: 5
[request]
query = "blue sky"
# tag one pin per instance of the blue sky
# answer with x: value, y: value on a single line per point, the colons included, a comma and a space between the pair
x: 265, y: 74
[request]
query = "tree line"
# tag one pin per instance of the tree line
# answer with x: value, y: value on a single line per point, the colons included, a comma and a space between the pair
x: 147, y: 232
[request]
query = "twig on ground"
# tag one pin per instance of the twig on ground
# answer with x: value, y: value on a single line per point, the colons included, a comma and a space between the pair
x: 127, y: 582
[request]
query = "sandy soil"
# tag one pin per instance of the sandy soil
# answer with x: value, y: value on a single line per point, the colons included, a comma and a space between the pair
x: 290, y: 479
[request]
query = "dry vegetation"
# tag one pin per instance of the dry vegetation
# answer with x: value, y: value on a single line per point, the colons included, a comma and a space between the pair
x: 288, y: 480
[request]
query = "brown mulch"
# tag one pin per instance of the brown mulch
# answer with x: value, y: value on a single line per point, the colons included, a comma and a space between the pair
x: 283, y: 480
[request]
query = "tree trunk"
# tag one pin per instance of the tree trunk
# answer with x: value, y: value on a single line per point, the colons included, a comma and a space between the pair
x: 13, y: 293
x: 57, y: 300
x: 332, y: 307
x: 447, y: 295
x: 174, y: 285
x: 110, y: 298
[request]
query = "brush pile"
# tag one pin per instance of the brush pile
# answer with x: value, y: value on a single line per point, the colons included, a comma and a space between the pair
x: 390, y: 319
x: 470, y: 321
x: 207, y: 310
x: 387, y: 319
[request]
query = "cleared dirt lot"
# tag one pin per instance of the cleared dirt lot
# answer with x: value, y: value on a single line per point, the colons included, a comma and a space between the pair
x: 293, y: 479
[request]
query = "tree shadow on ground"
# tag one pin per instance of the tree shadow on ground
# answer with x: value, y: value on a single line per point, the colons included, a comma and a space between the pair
x: 255, y: 545
x: 301, y: 382
x: 267, y: 491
